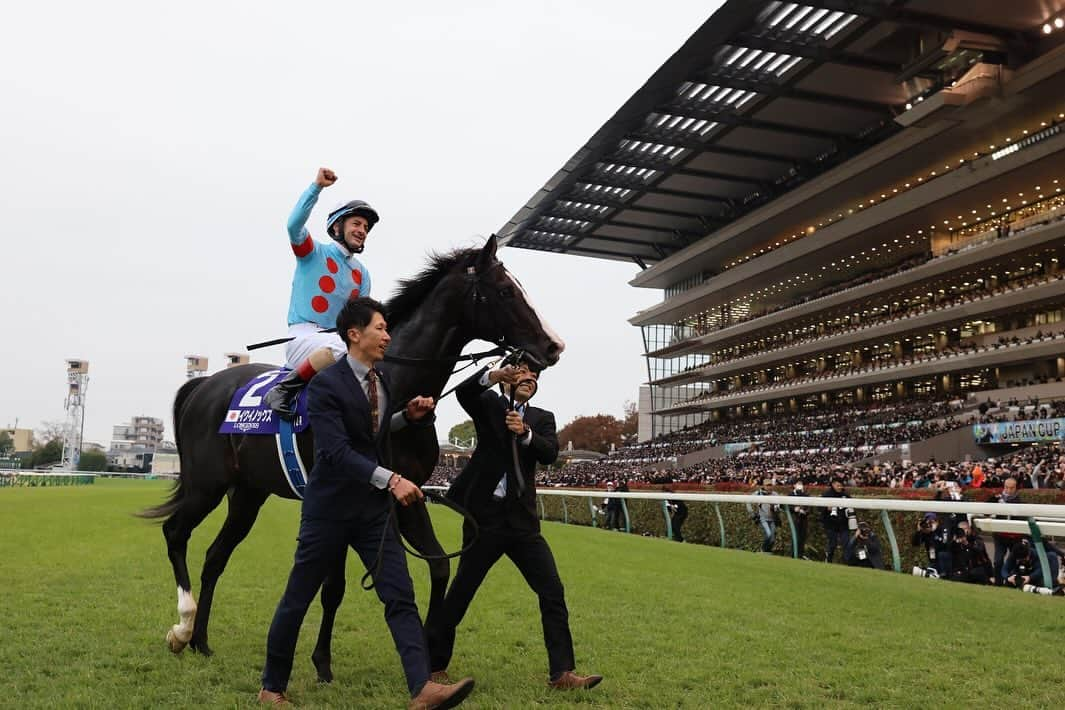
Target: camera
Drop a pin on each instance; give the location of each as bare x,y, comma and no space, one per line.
929,572
1032,589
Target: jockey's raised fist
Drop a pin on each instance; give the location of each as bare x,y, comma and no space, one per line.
326,177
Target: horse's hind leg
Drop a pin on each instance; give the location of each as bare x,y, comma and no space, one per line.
244,506
332,594
176,530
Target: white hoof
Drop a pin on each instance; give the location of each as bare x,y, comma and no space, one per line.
174,640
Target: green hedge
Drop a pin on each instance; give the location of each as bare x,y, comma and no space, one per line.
32,480
702,526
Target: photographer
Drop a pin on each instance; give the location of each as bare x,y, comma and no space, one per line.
615,514
968,557
1022,568
835,520
678,513
863,548
765,516
936,540
1005,541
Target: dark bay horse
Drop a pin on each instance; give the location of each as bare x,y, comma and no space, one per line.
461,296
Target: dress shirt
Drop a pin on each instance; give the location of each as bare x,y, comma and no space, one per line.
381,475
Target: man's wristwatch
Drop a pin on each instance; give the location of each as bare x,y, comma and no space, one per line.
394,481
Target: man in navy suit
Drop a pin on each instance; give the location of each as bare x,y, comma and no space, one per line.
502,499
346,502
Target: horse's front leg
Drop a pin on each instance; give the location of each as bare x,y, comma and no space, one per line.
332,594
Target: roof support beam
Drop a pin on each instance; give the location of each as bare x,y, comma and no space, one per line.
686,237
818,54
688,195
607,182
765,87
711,175
623,240
634,160
911,18
699,145
620,205
730,118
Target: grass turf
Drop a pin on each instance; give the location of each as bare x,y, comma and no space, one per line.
88,595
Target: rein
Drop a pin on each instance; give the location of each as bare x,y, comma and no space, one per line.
373,570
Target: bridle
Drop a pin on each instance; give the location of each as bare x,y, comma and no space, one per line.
474,304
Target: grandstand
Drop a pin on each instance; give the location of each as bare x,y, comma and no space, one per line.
850,207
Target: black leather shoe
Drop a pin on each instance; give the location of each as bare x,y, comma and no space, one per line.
282,397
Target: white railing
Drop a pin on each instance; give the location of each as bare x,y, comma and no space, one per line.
1037,519
50,473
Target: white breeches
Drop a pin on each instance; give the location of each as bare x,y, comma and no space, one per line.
306,339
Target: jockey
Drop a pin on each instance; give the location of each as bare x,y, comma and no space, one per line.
327,275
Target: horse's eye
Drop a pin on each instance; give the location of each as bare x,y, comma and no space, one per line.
507,292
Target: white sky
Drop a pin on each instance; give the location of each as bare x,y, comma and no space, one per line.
151,154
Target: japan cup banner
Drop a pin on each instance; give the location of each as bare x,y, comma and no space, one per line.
1021,432
248,414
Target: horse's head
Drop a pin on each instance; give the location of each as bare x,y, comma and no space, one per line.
500,310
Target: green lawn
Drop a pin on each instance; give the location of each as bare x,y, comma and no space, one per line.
88,595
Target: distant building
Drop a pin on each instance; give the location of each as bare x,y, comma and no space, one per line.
166,460
23,439
133,445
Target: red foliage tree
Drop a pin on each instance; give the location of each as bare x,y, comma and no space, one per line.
594,433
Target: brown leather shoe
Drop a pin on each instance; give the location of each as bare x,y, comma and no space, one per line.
269,697
571,681
435,696
440,677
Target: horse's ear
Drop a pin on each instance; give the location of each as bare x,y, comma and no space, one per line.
487,257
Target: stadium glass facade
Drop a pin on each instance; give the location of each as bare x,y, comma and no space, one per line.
841,202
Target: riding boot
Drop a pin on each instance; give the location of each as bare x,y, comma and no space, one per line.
282,397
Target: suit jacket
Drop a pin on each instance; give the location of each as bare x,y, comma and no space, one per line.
346,452
493,458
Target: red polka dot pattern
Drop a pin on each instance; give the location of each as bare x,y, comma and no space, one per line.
356,276
327,284
331,265
354,293
319,304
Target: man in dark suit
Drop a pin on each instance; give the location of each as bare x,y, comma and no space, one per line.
503,502
346,502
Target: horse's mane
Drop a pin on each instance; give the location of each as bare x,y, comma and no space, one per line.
412,292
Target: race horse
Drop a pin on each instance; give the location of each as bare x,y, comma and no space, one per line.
460,296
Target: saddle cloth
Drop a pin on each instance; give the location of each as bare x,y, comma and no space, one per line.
248,414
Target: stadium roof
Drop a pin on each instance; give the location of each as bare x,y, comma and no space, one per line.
765,96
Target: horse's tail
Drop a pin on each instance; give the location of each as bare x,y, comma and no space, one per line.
167,508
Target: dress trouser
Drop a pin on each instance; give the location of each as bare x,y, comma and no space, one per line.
800,532
321,543
531,555
836,537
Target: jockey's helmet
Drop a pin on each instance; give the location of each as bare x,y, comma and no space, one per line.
346,209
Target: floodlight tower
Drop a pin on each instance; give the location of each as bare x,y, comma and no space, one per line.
77,385
235,359
195,366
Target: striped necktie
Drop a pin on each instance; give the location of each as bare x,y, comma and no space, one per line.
371,394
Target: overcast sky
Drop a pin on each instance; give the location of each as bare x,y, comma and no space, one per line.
151,154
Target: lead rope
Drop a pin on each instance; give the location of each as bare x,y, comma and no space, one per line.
373,570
